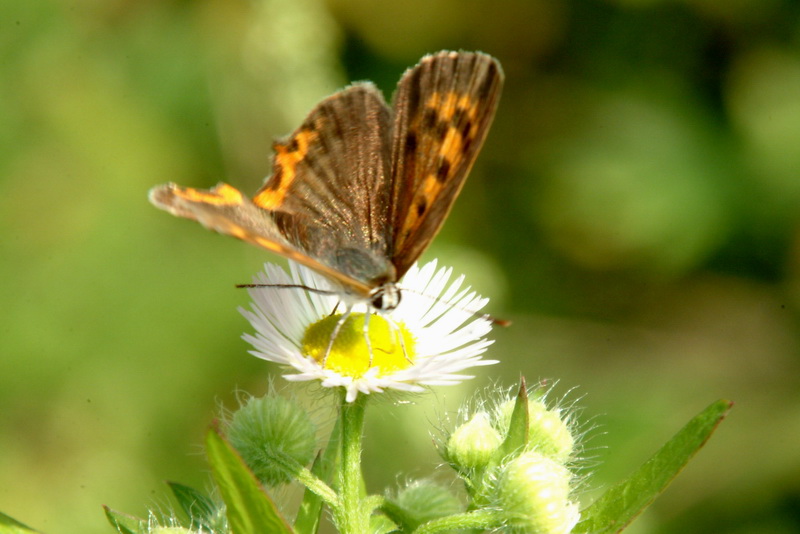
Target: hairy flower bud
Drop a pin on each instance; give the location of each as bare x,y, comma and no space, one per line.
269,427
534,491
473,444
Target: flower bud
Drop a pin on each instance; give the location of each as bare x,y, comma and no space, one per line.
272,426
534,491
473,444
424,500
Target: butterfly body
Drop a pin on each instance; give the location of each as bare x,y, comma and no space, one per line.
359,190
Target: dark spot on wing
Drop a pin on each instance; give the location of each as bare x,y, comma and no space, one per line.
443,171
411,142
440,130
429,119
462,122
277,178
422,205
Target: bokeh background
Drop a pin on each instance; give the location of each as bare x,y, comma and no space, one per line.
634,212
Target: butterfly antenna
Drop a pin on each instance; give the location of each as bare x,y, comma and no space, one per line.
496,321
290,286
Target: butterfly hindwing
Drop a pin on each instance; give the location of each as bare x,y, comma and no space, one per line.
443,109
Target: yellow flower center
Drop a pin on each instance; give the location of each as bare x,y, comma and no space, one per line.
392,345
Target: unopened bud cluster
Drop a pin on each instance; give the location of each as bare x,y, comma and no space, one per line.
516,459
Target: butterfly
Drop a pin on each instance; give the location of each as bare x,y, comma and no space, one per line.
360,189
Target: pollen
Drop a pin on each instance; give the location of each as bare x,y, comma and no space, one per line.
390,349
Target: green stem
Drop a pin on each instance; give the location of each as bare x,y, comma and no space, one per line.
353,517
373,502
318,487
306,477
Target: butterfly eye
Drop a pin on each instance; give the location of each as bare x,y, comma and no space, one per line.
385,298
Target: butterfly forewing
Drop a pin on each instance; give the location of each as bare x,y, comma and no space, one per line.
226,210
328,192
443,109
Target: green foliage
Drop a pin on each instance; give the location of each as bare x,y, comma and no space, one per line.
619,505
310,512
249,509
419,502
200,510
9,525
522,490
124,523
517,436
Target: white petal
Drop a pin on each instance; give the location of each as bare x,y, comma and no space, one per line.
442,315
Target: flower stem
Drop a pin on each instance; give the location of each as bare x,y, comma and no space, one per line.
318,487
353,517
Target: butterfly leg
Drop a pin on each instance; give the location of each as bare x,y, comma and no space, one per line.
367,340
399,335
335,334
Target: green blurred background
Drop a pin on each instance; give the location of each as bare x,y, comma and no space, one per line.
634,212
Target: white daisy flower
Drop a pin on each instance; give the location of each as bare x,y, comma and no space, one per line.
432,336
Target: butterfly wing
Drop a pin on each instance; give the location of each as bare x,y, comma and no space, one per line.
226,210
325,204
443,109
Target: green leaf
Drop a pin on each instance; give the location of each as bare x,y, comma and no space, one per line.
307,520
620,504
124,523
380,524
308,516
9,525
517,435
200,510
419,502
249,509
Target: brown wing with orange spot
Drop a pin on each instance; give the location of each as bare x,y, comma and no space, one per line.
443,109
325,204
226,210
331,174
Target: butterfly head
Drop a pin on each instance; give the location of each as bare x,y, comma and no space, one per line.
385,297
